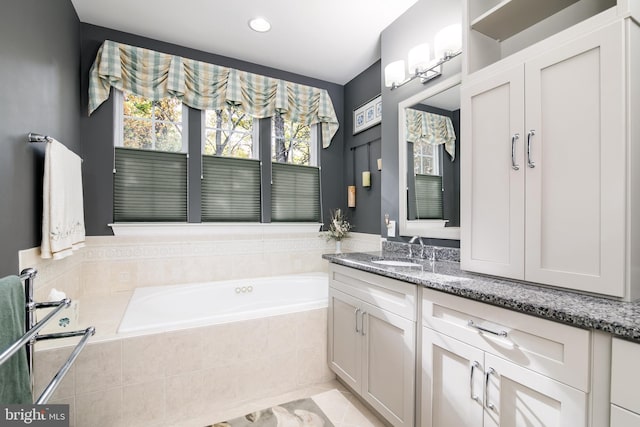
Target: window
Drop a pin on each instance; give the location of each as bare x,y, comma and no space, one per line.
229,132
295,179
238,183
428,181
153,125
231,173
150,164
292,142
426,158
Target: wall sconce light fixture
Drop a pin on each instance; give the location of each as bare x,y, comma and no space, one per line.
447,45
366,175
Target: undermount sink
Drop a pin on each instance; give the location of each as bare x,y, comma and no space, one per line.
395,263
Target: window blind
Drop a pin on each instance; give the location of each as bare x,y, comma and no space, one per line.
295,193
429,196
230,189
149,186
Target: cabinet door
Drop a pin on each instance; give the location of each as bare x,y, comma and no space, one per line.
388,378
575,187
492,175
515,396
452,379
622,418
344,340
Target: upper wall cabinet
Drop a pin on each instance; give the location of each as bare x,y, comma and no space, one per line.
548,174
500,28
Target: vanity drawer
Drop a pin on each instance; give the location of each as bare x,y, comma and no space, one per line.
392,295
558,351
625,375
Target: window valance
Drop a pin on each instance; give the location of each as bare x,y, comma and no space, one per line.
200,85
423,127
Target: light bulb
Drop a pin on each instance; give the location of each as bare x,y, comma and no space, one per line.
448,41
419,58
260,25
394,73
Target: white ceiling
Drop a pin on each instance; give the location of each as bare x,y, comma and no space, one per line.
332,40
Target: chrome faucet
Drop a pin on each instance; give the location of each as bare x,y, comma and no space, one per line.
413,240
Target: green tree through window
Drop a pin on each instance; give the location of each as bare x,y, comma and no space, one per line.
229,133
291,142
152,125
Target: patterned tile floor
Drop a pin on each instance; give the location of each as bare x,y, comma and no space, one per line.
339,404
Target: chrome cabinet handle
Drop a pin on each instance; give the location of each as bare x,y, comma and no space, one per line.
530,162
514,139
362,329
482,329
356,313
486,390
474,365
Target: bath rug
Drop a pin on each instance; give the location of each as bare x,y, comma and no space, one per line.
302,413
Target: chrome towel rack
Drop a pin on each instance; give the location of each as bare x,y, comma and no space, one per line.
36,137
31,334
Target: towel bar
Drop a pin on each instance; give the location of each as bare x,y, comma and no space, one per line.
31,334
36,137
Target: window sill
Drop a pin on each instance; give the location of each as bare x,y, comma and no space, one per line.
130,229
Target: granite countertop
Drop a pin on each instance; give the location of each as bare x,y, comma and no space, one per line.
622,319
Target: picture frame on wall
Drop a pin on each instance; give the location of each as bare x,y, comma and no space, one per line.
367,115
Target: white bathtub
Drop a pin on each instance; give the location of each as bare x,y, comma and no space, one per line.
167,308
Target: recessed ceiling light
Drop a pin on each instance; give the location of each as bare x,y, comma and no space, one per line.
260,25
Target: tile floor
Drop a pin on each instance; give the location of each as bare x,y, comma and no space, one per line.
338,404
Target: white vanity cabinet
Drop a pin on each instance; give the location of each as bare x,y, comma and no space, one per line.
487,366
546,170
371,340
625,377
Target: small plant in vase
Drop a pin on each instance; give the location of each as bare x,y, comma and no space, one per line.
339,228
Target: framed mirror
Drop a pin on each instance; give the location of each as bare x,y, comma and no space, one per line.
429,181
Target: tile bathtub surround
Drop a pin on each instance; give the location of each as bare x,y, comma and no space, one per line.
169,378
109,265
619,318
103,275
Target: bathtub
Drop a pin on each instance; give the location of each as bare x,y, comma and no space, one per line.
174,307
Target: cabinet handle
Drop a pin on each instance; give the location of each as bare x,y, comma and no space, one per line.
514,139
356,313
480,328
474,365
530,162
486,389
362,329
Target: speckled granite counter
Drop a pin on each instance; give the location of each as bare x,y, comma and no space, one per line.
621,319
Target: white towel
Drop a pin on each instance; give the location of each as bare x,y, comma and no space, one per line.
63,211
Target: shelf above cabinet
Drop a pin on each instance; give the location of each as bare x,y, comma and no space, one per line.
510,17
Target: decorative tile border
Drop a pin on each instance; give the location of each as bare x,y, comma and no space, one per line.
109,264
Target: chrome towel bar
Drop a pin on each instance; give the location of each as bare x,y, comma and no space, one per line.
32,328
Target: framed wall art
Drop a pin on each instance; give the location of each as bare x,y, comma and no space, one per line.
367,115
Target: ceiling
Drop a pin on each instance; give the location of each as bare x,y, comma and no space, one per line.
332,40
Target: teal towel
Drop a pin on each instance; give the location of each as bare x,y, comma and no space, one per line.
15,386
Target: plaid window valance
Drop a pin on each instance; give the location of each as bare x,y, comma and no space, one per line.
200,85
423,127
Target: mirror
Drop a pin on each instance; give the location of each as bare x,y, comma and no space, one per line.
429,168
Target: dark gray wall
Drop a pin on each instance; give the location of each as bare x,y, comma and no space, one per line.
39,54
365,215
97,130
418,25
